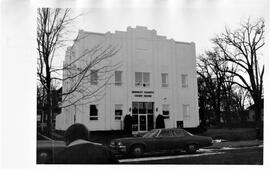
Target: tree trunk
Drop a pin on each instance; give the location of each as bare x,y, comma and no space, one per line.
258,118
49,102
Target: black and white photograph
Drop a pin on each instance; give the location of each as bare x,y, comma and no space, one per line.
134,82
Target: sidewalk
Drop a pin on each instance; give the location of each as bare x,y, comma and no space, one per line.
236,144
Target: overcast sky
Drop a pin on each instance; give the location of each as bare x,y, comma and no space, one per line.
183,20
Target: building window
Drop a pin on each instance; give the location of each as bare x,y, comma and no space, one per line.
184,80
93,112
142,79
186,112
118,78
164,80
166,111
94,77
118,112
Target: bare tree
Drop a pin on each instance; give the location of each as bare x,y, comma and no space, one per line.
241,49
217,83
53,26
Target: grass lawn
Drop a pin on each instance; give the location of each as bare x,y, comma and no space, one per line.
236,134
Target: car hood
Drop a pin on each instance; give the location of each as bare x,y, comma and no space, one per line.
204,138
47,143
127,139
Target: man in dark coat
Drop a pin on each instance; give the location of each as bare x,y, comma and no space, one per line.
81,151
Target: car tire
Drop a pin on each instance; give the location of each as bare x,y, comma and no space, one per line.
137,150
191,148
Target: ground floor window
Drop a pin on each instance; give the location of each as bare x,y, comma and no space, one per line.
186,112
93,112
118,111
166,111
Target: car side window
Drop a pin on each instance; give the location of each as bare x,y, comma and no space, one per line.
165,133
178,133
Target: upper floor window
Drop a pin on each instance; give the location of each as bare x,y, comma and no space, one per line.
118,78
184,78
142,79
93,112
186,112
164,80
94,77
166,111
118,111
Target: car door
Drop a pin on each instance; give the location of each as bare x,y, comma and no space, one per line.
164,140
180,139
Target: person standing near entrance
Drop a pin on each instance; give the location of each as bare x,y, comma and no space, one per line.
80,150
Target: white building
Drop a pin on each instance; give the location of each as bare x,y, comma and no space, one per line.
157,76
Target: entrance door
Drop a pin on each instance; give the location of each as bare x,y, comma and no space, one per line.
142,116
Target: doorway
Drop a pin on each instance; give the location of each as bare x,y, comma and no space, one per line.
142,116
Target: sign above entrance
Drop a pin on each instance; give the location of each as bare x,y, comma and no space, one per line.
143,93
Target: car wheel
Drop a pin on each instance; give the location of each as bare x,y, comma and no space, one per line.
137,150
44,157
191,148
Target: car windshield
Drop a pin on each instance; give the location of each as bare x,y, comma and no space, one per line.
188,133
41,137
151,133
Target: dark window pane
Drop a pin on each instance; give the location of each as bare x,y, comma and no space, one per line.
135,108
93,118
165,133
165,112
142,122
93,110
142,109
150,107
150,122
138,78
118,112
117,118
178,133
135,123
94,77
134,119
118,78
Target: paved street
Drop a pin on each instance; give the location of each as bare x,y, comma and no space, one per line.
245,155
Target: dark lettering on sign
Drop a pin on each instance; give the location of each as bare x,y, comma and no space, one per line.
148,92
136,95
136,91
147,95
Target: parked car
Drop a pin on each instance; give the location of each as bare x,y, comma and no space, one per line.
160,139
47,148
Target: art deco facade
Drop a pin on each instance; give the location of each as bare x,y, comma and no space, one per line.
157,76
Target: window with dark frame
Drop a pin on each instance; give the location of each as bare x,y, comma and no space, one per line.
184,78
93,112
164,80
186,111
166,111
94,77
142,79
118,78
118,111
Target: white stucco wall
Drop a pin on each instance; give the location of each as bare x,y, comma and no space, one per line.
141,50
